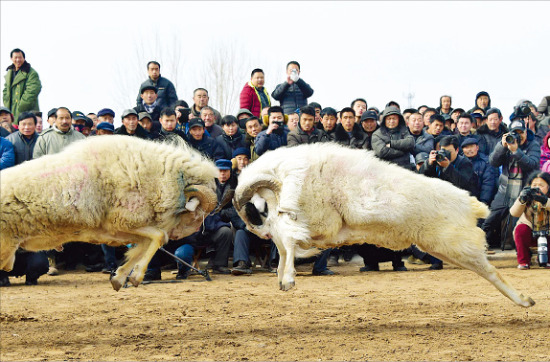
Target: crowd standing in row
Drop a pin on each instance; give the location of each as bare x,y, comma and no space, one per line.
474,150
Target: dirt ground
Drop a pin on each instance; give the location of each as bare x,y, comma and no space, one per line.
450,314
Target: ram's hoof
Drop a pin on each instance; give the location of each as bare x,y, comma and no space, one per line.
116,284
286,286
134,280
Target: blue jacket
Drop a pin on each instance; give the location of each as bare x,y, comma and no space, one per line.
7,156
487,177
267,142
205,146
292,96
166,92
22,146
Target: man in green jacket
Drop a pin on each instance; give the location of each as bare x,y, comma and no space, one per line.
22,85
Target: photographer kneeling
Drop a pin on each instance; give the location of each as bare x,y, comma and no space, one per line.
533,211
446,164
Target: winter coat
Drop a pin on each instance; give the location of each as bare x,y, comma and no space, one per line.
140,132
251,144
171,137
155,115
544,151
205,145
423,143
225,145
461,139
359,139
475,102
299,137
166,92
250,99
460,173
22,146
214,131
4,132
7,155
21,90
487,177
401,143
292,96
267,142
53,140
488,139
528,160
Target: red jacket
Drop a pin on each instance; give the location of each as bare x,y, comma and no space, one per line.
250,99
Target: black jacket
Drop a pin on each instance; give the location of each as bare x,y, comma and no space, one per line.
460,173
166,92
22,147
140,132
359,139
488,139
225,145
204,146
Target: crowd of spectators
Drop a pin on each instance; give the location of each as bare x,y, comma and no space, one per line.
475,150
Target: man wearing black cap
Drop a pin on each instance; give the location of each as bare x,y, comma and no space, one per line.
106,115
149,102
81,123
5,122
130,125
199,139
487,175
492,131
369,124
518,155
167,96
57,137
51,117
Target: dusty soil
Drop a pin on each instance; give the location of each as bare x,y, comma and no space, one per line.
450,314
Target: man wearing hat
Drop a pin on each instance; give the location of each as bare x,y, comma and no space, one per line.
59,136
105,128
167,96
199,139
487,175
130,125
6,122
147,123
242,115
149,102
106,115
518,155
82,124
392,141
51,117
420,159
369,124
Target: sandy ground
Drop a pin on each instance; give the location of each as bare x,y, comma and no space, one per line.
450,314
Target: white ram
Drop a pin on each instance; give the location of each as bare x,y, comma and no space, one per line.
325,195
112,190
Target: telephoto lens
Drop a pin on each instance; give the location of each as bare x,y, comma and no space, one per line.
542,246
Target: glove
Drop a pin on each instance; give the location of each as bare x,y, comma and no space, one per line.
540,197
525,195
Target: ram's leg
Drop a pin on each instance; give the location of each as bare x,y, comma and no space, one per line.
7,256
289,272
282,262
469,253
158,238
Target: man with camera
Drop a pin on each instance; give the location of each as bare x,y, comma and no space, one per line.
293,93
518,152
276,133
446,164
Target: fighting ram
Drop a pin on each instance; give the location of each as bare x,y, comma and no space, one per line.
112,190
324,195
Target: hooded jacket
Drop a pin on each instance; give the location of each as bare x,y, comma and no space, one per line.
488,139
482,93
250,99
21,90
22,146
401,142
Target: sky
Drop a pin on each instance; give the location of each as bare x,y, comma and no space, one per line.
92,55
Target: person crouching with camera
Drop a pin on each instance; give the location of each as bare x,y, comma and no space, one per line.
532,228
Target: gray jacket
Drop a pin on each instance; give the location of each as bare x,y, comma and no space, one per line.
425,142
53,140
22,146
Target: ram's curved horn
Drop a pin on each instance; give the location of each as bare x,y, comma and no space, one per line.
244,194
207,197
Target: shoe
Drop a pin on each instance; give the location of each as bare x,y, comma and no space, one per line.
332,260
368,268
182,274
109,270
94,268
413,260
31,281
436,266
52,271
323,272
402,268
241,269
221,270
152,274
523,266
5,281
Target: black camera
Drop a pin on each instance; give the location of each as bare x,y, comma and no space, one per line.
442,154
280,124
512,138
522,111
